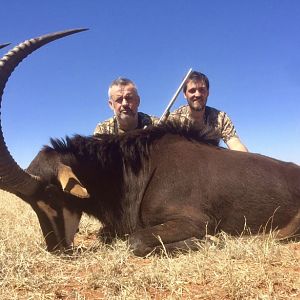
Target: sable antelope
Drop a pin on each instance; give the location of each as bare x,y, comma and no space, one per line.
162,184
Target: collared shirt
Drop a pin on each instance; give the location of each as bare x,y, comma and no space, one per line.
110,126
217,120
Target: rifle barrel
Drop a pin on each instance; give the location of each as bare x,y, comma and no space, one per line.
167,110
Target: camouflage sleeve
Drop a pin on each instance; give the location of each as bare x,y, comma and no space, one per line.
226,127
106,127
98,129
179,115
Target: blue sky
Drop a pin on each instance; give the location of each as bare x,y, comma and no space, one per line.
250,50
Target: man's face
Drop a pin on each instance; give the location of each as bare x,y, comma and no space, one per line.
196,95
124,101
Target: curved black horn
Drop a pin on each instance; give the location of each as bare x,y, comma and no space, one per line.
12,177
4,45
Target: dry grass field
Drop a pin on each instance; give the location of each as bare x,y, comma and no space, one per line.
229,268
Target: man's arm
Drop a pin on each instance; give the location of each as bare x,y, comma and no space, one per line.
235,144
229,134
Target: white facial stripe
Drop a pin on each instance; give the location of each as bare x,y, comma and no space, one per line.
51,214
71,221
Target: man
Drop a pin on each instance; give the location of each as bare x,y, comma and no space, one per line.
124,101
196,113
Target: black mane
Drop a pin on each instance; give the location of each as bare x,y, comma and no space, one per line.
132,147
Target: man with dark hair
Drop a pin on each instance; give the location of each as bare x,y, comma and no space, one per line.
198,114
124,100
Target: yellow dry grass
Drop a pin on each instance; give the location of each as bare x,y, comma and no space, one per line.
232,268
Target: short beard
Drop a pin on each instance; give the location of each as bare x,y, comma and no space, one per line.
196,109
127,121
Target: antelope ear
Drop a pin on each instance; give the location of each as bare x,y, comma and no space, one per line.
70,183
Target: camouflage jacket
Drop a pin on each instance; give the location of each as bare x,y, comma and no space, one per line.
217,120
110,126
